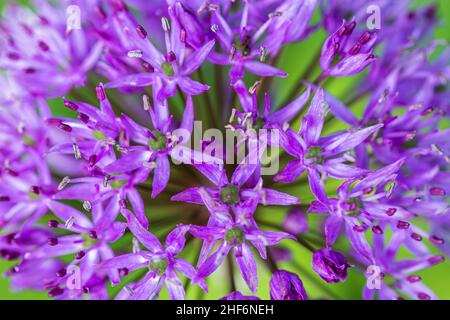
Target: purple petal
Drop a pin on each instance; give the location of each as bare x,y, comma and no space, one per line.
292,171
176,240
145,237
351,65
264,70
316,185
197,58
292,109
134,80
286,285
192,87
247,265
381,175
161,175
128,162
213,262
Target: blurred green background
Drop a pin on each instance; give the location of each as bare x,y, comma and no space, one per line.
295,60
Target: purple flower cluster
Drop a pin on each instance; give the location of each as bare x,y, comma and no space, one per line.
83,183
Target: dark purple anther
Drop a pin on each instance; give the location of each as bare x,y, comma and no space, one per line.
55,292
13,56
141,32
65,127
360,228
377,230
402,225
413,279
71,105
35,189
52,223
83,117
122,203
43,46
355,49
423,296
61,273
44,20
123,272
100,93
436,259
350,27
52,241
92,160
171,57
436,240
368,190
92,234
364,38
435,191
29,70
391,211
416,236
148,66
340,33
80,255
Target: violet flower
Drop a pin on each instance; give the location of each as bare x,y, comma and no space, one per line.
286,285
172,68
330,265
161,262
233,234
43,55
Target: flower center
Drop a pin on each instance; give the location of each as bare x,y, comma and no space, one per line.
158,264
258,124
98,135
167,68
157,141
90,238
230,194
243,45
117,184
314,153
233,235
353,206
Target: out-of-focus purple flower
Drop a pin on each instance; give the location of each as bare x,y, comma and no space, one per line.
43,55
286,285
353,56
295,221
330,265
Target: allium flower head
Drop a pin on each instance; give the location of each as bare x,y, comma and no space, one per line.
233,150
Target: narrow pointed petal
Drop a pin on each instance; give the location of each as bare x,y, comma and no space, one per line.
247,265
161,175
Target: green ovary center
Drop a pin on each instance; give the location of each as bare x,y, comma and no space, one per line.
353,206
167,68
98,135
234,234
230,194
117,184
159,142
314,153
160,265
